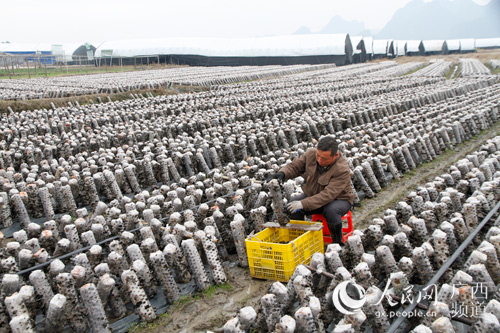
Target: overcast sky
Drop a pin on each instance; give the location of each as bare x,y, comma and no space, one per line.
94,21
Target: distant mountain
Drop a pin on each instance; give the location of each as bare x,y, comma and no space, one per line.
302,31
444,19
338,25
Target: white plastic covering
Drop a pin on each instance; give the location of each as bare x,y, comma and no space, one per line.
467,44
355,41
275,46
413,45
368,45
487,42
399,47
380,46
68,49
433,45
453,44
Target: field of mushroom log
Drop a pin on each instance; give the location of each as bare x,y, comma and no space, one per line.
111,212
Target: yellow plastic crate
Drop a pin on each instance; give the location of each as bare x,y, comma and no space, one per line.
274,253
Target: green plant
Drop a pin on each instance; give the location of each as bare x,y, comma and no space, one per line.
450,71
147,326
493,70
177,306
415,70
212,290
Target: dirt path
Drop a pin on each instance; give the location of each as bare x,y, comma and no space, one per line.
210,312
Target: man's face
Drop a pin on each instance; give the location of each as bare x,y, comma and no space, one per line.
325,158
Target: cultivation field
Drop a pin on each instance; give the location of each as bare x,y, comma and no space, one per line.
483,55
115,212
220,306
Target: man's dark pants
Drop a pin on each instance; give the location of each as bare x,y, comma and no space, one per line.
332,212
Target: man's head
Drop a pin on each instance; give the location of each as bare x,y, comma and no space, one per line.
326,151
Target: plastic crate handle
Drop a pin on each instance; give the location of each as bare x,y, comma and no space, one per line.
255,238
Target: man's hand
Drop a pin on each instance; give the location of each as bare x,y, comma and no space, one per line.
279,176
294,207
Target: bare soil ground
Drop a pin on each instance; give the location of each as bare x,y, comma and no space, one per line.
210,313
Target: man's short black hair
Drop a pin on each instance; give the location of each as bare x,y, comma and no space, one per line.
328,143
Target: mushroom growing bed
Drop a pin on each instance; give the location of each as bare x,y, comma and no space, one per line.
109,207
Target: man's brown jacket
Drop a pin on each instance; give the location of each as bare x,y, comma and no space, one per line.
322,189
